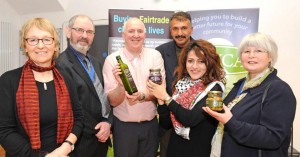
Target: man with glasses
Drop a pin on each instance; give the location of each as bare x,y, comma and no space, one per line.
86,72
181,30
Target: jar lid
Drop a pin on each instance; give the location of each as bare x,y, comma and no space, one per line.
215,92
153,70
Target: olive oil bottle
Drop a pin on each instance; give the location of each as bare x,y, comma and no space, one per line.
126,77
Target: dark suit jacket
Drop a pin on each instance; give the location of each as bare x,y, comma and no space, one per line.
168,53
87,94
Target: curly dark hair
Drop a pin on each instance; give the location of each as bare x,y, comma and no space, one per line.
207,52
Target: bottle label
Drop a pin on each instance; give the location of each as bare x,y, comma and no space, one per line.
130,78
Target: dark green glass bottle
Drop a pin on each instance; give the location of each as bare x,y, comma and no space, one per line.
126,77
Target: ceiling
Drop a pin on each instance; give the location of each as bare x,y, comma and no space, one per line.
23,7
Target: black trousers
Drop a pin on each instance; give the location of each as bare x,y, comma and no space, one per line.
164,141
89,146
135,139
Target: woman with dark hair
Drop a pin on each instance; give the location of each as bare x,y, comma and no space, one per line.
199,71
40,112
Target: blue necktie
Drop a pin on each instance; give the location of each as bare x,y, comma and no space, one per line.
99,88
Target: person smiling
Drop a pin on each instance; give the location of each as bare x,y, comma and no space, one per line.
181,30
199,71
135,131
259,109
40,113
86,72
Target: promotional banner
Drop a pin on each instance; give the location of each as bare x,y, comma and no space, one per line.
156,23
225,29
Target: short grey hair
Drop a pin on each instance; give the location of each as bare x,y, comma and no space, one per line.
73,19
260,40
131,19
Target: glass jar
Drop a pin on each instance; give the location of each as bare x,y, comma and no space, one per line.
214,100
155,76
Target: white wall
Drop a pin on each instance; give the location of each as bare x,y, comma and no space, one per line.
8,15
279,18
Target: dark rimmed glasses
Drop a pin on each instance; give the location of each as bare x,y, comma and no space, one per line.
81,31
35,41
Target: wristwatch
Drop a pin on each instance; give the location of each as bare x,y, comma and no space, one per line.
71,144
167,100
142,97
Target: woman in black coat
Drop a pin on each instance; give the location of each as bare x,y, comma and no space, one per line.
260,108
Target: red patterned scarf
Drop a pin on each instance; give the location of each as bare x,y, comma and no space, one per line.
186,99
28,104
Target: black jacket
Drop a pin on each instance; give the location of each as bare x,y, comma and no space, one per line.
260,126
86,91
